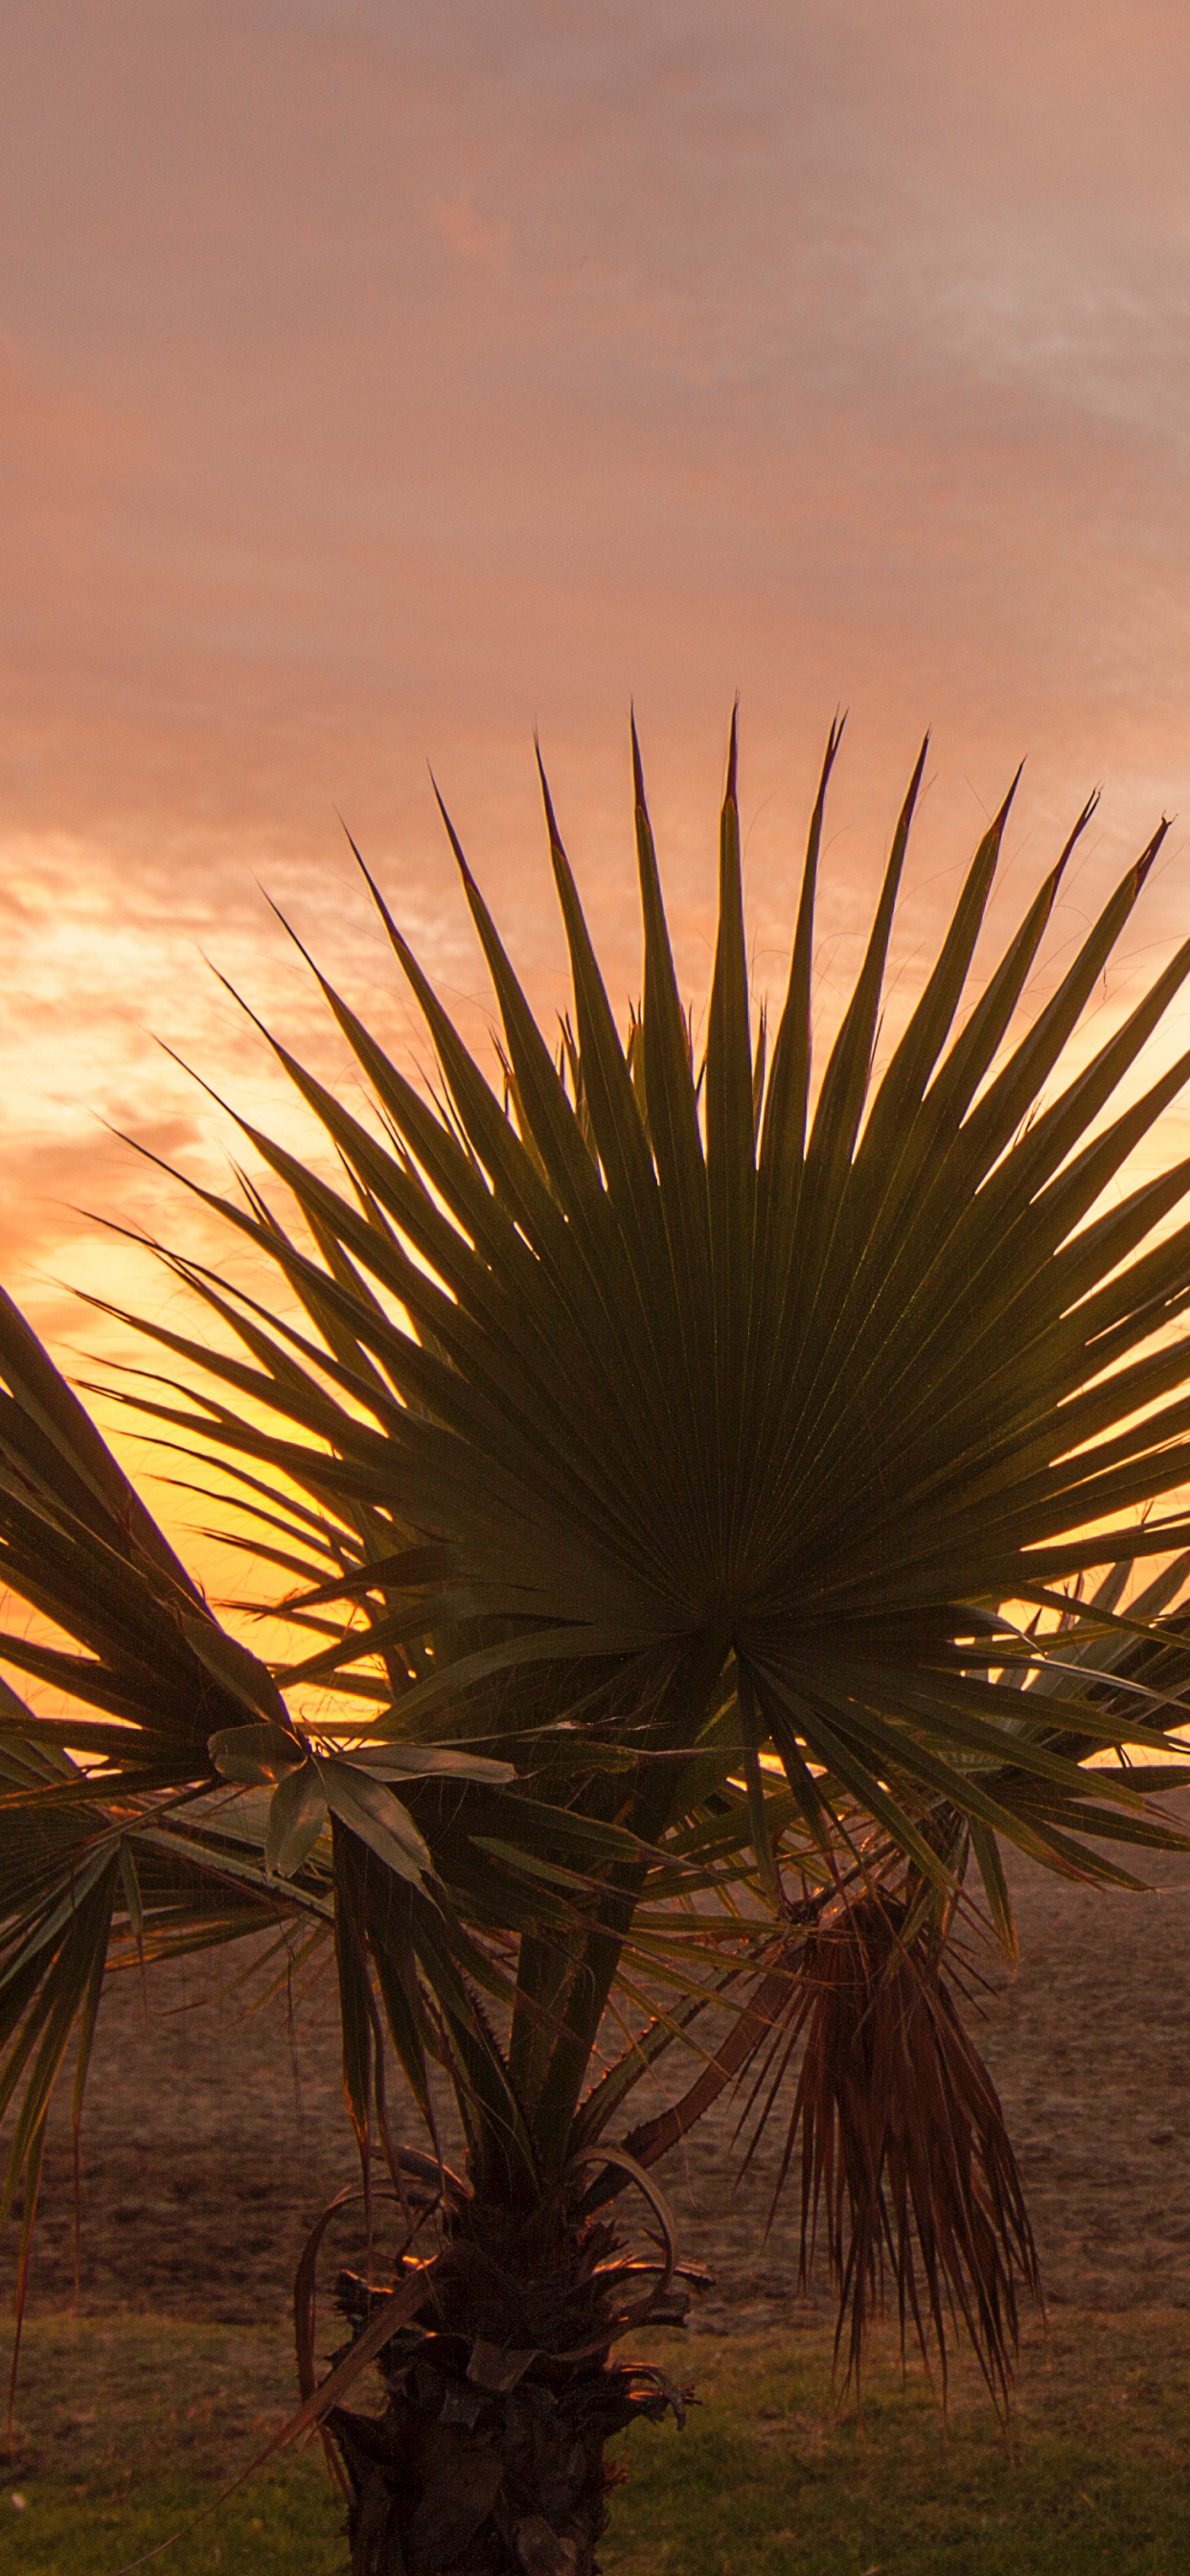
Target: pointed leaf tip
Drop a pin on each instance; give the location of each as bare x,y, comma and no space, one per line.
369,880
638,775
1002,817
551,820
451,834
733,750
1073,838
353,846
1149,855
830,755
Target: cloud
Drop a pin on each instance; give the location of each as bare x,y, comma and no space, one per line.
377,383
461,227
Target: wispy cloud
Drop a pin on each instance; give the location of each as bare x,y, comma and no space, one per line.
375,383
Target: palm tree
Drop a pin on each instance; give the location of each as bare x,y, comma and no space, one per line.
685,1485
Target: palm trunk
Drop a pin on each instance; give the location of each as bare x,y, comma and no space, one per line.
488,2458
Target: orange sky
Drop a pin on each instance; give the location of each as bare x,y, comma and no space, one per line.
375,381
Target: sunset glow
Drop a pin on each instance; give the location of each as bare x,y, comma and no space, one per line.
375,387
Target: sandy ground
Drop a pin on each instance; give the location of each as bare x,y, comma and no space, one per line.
213,2137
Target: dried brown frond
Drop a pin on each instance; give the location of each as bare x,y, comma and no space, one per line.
905,2155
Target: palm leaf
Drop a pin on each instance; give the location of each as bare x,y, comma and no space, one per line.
820,1403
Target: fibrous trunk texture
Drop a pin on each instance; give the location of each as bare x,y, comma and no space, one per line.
488,2458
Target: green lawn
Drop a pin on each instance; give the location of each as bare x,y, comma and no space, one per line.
769,2480
127,2430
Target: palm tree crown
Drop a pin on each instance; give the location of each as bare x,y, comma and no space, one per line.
688,1474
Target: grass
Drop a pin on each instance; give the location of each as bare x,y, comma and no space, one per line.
129,2428
772,2480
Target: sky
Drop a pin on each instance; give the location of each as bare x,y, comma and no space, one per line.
377,383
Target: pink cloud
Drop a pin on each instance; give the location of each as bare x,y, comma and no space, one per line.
375,385
460,226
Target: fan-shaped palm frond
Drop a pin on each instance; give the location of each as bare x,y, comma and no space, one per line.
697,1371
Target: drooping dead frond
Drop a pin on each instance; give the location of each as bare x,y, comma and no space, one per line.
905,2155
